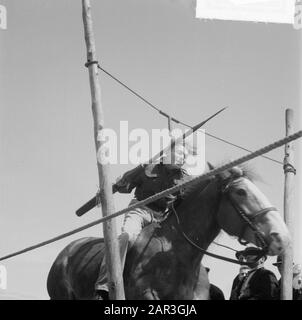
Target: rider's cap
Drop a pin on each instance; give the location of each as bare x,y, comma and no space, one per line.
249,251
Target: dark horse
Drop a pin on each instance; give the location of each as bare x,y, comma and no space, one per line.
164,262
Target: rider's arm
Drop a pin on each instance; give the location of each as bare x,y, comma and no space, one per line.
129,180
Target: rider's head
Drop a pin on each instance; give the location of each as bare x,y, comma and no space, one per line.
252,256
178,154
243,271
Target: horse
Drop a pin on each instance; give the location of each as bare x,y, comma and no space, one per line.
165,263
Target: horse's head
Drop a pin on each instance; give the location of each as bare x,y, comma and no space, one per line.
244,211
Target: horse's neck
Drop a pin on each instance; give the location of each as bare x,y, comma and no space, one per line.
197,217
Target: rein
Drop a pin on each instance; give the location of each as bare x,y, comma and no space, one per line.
198,247
248,223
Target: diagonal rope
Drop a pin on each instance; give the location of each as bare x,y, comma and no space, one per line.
154,107
166,192
232,144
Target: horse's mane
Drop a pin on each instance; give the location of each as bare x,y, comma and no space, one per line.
246,171
249,172
194,187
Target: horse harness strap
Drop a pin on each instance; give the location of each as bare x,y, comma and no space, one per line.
249,220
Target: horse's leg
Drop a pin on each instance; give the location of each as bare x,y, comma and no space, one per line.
150,294
141,289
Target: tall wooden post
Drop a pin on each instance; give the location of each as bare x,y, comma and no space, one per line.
298,220
289,172
114,269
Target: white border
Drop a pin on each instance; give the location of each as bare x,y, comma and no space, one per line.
275,11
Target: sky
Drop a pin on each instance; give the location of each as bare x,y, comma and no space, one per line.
189,68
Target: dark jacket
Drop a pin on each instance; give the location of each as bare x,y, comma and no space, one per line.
297,294
236,286
260,284
216,293
149,180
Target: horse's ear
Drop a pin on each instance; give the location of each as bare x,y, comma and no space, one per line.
236,172
211,167
222,175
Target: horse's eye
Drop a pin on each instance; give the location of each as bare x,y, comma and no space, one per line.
241,192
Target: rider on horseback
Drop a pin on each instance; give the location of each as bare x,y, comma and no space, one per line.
147,180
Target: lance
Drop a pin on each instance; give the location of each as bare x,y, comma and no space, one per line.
94,201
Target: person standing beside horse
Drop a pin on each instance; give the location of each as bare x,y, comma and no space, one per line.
147,180
259,283
215,293
238,281
297,278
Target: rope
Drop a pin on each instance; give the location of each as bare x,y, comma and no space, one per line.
89,63
172,118
289,168
166,192
138,95
222,245
242,148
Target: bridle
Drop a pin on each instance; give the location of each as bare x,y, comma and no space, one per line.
249,219
249,222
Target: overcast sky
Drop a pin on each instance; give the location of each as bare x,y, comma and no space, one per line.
188,67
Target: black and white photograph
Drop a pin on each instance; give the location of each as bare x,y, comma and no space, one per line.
150,150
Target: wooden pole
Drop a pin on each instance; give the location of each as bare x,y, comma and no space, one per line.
114,269
172,140
298,220
289,172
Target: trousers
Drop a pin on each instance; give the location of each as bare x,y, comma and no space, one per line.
134,221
